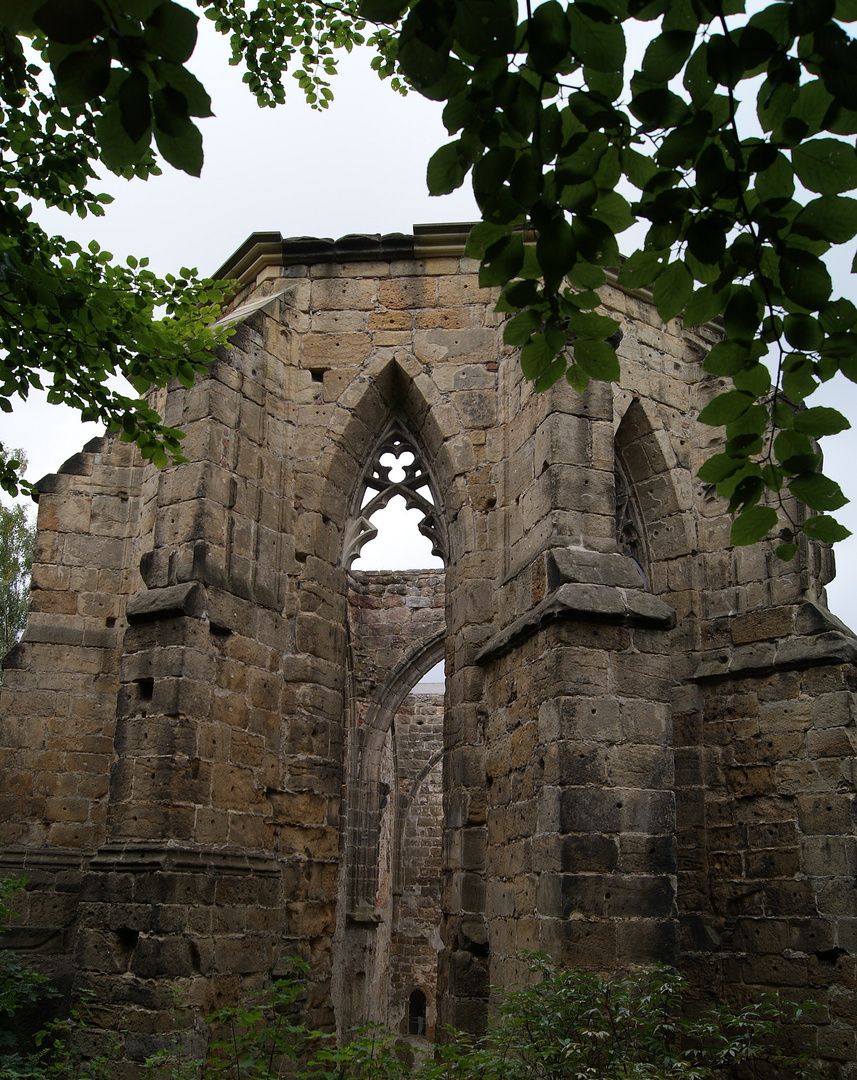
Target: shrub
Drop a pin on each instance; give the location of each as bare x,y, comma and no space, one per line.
565,1025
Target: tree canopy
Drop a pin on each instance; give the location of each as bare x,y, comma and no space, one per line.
17,535
733,144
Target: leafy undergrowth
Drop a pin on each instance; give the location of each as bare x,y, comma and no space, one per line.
565,1025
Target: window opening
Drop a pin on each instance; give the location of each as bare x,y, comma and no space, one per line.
417,1013
433,680
396,502
630,533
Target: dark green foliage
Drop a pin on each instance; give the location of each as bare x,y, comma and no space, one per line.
565,1025
568,1025
541,116
21,991
16,557
727,235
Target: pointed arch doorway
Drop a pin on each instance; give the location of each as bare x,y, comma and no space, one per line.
388,931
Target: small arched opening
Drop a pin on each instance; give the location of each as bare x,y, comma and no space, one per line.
417,1013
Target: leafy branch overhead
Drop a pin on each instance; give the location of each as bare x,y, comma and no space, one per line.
739,217
70,317
733,144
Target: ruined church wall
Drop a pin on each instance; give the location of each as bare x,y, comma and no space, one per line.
229,693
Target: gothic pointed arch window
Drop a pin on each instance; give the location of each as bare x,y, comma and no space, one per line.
630,530
395,470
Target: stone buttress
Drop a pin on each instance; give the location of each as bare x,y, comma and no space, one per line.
215,754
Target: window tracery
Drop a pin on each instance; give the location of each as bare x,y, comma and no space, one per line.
630,531
388,474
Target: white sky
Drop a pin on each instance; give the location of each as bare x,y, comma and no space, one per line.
359,167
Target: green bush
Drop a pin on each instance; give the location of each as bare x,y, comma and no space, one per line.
575,1025
564,1025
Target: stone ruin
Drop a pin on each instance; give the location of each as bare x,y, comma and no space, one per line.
213,755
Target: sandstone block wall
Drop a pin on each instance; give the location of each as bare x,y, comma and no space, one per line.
212,756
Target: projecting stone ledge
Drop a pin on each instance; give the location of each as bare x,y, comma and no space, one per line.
818,637
583,602
170,602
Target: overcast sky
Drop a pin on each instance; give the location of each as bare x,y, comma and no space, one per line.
358,167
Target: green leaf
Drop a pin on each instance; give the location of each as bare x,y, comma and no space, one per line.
182,151
598,359
19,17
641,269
786,552
666,55
825,529
803,332
725,408
705,304
794,452
755,380
587,276
179,78
717,468
525,180
697,81
830,217
118,151
447,168
382,11
69,22
743,314
673,289
548,37
599,44
798,377
637,167
804,278
614,211
591,325
170,32
595,241
807,15
837,316
423,52
752,525
777,181
744,433
170,113
818,491
828,166
135,105
535,356
502,261
517,331
83,75
659,108
482,236
819,421
556,250
491,171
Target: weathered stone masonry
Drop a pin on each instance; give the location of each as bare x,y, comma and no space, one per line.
212,757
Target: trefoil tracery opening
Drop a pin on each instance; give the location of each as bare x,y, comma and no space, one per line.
395,468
